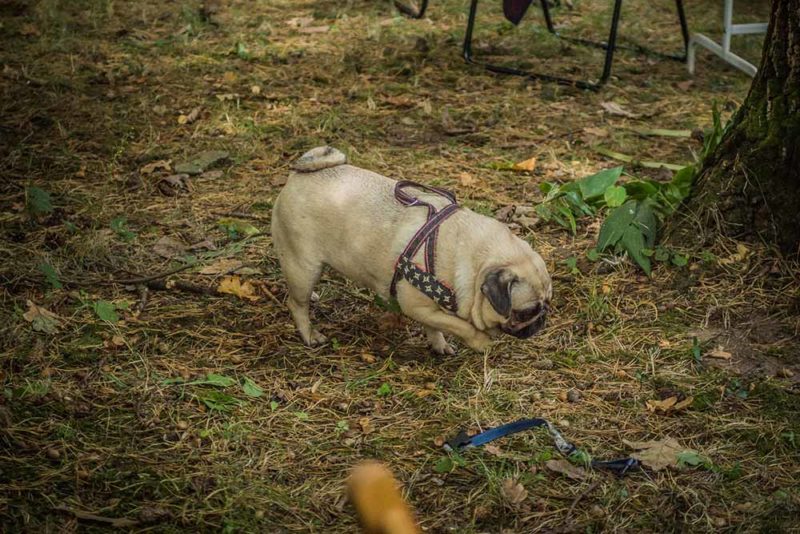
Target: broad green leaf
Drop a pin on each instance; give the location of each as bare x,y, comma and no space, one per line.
640,189
236,228
566,213
577,205
661,254
647,223
213,380
50,275
106,311
443,465
633,242
273,405
615,225
596,184
615,196
679,260
389,305
251,389
38,201
218,400
690,458
684,179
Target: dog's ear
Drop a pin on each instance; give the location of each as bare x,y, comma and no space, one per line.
497,288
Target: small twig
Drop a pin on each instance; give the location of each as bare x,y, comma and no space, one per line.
144,292
161,285
117,522
242,215
580,497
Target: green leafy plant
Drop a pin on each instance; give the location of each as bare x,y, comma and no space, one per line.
120,227
106,311
385,390
251,389
38,201
50,275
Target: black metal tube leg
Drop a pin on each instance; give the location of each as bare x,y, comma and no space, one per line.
473,9
684,26
612,42
548,20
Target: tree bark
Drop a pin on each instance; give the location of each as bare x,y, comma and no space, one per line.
750,185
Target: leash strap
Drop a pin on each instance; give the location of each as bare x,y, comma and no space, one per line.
424,280
462,441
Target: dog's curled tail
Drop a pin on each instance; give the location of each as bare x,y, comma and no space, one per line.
319,158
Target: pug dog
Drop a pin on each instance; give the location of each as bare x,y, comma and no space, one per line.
331,213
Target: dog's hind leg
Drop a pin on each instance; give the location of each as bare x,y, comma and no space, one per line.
301,277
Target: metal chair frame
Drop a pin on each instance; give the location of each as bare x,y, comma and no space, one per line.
609,46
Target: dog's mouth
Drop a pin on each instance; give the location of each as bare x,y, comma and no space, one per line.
524,323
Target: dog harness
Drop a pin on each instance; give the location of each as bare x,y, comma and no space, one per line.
424,279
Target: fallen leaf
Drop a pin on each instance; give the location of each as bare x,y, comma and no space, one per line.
229,77
612,108
366,425
493,450
505,214
299,22
685,85
314,29
366,357
439,441
200,162
234,286
685,403
740,255
191,117
41,319
565,468
255,89
169,247
657,455
29,30
512,491
466,179
525,166
719,353
223,266
597,132
152,167
174,184
661,405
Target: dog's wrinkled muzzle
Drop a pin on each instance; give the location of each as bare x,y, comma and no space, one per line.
525,323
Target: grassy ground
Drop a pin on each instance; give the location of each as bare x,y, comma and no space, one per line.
101,416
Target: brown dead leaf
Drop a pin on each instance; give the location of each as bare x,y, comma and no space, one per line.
657,455
223,266
565,468
41,319
229,77
169,247
596,132
661,405
366,357
299,22
191,117
719,353
612,108
234,286
150,168
439,441
493,450
174,184
29,30
685,85
314,29
366,425
505,214
525,166
512,491
255,89
466,179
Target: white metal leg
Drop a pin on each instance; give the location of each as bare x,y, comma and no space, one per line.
724,50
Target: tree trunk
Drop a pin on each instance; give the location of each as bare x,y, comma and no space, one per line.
750,185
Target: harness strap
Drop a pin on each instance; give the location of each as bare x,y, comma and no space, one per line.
427,234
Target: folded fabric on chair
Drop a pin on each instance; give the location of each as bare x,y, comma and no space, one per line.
514,10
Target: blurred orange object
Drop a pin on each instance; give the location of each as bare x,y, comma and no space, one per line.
381,509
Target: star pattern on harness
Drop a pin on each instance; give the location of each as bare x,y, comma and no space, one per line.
428,285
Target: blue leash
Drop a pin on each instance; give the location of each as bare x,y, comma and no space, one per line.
463,441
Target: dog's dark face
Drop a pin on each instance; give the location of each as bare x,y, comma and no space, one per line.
520,294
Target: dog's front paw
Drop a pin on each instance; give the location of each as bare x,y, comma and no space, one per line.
316,339
443,348
479,342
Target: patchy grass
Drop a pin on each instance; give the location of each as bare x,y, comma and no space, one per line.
119,418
